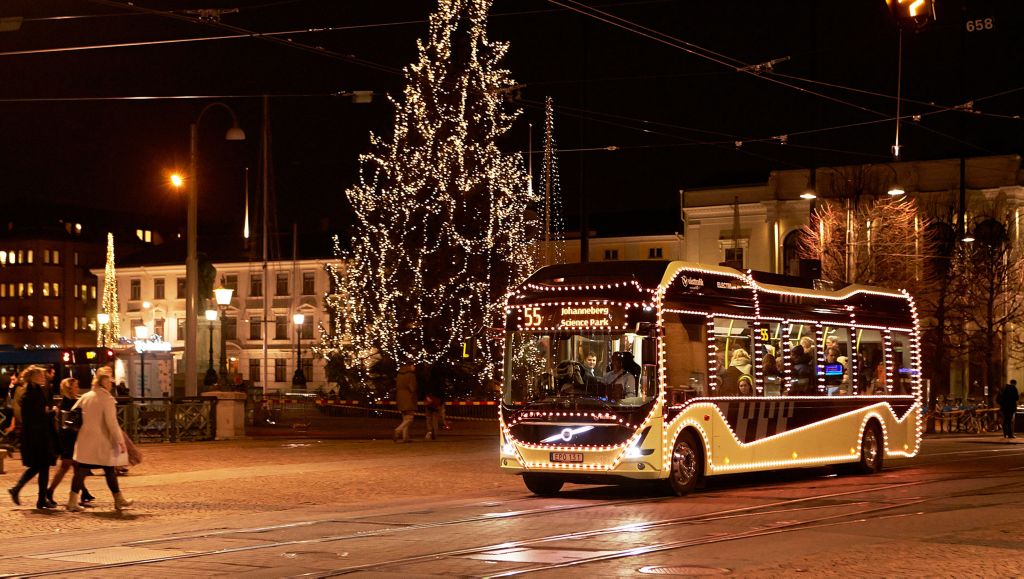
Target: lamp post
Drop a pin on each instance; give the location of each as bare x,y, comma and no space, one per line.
211,375
191,262
103,318
141,335
299,378
223,297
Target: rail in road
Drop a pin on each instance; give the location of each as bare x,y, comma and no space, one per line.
463,539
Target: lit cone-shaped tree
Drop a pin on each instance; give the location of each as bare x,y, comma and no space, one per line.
442,221
110,333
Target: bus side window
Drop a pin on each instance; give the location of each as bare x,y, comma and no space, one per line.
871,372
686,364
734,346
838,365
903,368
772,361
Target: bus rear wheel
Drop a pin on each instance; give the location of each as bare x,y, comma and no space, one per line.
872,449
543,486
687,464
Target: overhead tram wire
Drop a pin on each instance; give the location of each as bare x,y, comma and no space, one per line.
349,58
718,58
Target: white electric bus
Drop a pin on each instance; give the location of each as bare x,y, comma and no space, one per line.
679,371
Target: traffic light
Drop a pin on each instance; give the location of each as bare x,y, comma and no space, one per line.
912,14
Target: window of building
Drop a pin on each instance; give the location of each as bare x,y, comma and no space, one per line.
76,258
144,235
254,371
255,325
46,256
733,257
280,370
791,253
21,289
3,290
56,257
135,290
182,289
231,282
282,285
158,327
611,254
158,288
281,328
56,322
135,323
256,285
46,322
55,289
179,329
308,283
46,289
230,328
28,256
307,328
654,253
31,287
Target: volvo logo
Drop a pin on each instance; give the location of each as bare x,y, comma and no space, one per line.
567,433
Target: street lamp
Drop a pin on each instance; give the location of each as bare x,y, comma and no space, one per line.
211,375
103,318
191,261
223,297
299,378
141,335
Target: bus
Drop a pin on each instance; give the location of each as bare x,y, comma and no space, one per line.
78,363
729,372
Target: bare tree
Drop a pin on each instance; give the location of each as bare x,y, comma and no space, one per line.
987,277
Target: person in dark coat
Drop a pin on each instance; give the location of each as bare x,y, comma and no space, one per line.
1008,404
67,437
38,436
803,373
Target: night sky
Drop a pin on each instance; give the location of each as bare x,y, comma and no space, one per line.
675,117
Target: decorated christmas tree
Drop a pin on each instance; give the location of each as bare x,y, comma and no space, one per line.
442,221
110,332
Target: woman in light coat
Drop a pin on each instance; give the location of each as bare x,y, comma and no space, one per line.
100,443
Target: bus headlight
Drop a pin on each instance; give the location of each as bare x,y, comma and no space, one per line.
633,452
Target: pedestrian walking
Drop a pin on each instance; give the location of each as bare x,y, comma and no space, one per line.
38,436
67,437
405,396
1008,398
100,443
433,401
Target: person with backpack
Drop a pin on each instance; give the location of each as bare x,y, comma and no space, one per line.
1008,398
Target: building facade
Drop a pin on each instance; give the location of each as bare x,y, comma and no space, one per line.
261,342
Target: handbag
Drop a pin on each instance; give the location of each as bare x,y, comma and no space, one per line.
71,420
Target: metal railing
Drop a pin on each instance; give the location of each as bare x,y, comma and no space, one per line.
167,420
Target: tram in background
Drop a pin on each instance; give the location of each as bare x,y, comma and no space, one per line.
729,373
79,363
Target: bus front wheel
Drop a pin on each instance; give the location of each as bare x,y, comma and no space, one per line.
872,449
543,486
687,464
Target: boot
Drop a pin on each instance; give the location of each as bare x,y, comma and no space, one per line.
120,502
87,497
73,505
15,491
49,496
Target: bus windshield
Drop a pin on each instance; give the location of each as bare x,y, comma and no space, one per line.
616,369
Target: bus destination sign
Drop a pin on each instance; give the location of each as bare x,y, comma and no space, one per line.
570,317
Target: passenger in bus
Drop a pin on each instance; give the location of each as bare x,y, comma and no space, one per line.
746,386
739,366
619,381
803,373
833,375
846,385
807,343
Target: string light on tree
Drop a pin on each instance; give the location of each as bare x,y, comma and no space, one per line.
110,332
441,213
554,225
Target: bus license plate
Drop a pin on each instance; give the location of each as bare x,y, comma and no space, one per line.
566,457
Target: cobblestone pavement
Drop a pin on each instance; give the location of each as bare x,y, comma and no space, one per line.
289,506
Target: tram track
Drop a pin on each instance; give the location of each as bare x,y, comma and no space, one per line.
397,527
